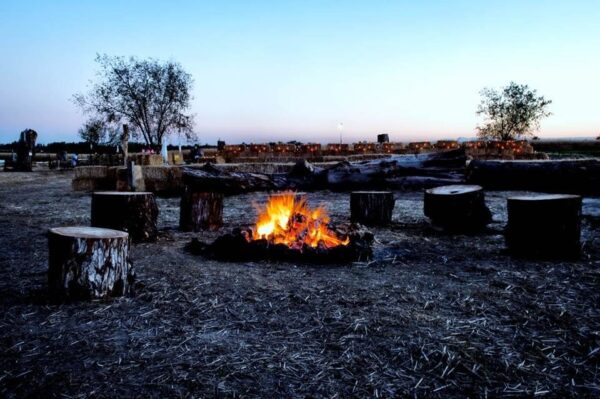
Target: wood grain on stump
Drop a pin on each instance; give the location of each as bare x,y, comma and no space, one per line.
89,262
544,225
135,213
457,207
371,208
200,210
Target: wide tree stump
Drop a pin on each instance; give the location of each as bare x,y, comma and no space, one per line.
545,226
371,208
89,262
135,213
458,208
200,210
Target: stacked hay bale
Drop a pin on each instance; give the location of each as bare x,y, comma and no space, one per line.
310,150
506,150
90,178
337,149
475,149
364,148
419,147
447,145
144,159
260,150
164,179
282,150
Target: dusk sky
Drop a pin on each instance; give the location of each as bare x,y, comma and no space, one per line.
286,70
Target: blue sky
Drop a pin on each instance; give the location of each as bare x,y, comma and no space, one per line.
285,70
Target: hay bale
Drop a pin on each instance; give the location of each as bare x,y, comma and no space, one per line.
90,178
83,184
146,159
91,172
164,179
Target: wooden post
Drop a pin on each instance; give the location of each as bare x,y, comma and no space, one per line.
88,262
135,177
544,226
135,213
372,208
200,210
125,143
458,208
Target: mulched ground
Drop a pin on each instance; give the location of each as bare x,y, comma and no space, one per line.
432,316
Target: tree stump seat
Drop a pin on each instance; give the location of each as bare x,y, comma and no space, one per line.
372,208
133,212
457,208
89,262
544,226
200,210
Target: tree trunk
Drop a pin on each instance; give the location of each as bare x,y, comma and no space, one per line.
372,208
135,213
544,225
572,176
457,207
125,142
200,210
393,172
88,262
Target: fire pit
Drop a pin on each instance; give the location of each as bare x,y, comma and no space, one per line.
287,229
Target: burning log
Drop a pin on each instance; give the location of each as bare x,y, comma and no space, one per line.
394,171
372,208
200,210
242,246
134,212
457,208
288,230
572,176
89,262
544,225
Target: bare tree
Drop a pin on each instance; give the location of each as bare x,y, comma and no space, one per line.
149,95
513,112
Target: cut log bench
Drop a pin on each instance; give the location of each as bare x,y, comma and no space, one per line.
200,210
372,208
133,212
89,262
457,208
544,226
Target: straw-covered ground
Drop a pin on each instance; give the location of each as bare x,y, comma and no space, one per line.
432,316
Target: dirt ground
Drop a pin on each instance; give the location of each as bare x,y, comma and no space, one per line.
433,315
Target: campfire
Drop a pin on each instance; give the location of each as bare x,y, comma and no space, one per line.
287,229
287,219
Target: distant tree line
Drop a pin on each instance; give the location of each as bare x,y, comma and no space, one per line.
83,147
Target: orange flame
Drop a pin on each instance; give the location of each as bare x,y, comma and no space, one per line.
286,219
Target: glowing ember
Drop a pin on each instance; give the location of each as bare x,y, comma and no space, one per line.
286,219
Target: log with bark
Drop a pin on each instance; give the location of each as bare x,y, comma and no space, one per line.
396,171
544,226
559,176
457,208
371,208
88,262
200,210
134,212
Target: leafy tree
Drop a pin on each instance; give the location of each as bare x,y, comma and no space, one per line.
513,112
151,96
94,131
